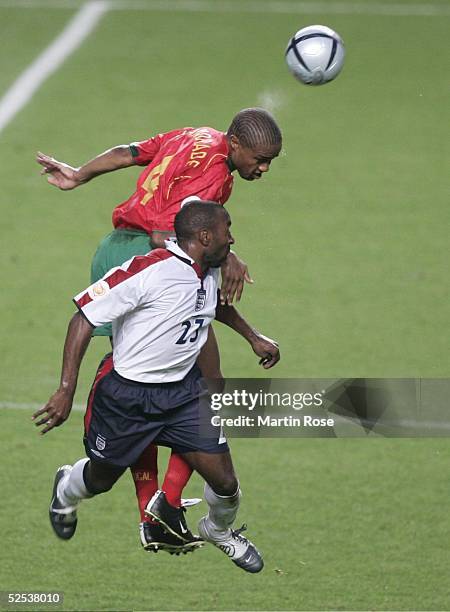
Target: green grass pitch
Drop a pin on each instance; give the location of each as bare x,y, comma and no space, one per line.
347,241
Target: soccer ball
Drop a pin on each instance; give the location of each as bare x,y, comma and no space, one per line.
315,55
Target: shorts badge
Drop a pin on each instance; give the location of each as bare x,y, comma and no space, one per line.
100,442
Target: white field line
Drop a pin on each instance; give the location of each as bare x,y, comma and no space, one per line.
424,426
292,7
23,89
32,406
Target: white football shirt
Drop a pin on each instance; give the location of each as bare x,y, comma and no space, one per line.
160,307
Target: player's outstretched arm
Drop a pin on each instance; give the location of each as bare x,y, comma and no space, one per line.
264,347
58,407
234,273
67,177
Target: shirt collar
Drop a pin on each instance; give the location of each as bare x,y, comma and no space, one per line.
172,246
228,162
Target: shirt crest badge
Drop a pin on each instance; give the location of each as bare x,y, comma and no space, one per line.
201,299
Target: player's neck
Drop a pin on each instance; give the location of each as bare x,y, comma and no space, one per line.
229,163
195,252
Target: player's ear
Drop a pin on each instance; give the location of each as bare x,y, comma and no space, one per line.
204,237
234,143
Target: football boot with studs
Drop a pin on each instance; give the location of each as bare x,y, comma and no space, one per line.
237,547
172,519
63,519
154,539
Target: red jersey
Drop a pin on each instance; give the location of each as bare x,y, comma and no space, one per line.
182,163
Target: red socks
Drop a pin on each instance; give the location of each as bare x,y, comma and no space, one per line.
145,476
176,478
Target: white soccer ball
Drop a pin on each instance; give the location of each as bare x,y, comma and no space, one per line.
315,55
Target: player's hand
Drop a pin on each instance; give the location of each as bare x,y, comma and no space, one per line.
55,412
267,349
59,174
234,274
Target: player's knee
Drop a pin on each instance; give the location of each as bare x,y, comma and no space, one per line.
226,486
101,478
96,486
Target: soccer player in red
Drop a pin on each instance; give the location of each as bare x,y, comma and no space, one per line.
177,165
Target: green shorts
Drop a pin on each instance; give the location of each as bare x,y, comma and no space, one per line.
118,246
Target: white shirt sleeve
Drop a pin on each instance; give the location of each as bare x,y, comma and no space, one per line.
117,293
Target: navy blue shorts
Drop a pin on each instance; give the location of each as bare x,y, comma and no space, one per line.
124,417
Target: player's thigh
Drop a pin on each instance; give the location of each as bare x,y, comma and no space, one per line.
216,468
188,419
116,248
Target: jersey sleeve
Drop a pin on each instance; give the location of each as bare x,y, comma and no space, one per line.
144,151
118,292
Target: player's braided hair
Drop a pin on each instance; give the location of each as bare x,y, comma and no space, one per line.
254,127
195,216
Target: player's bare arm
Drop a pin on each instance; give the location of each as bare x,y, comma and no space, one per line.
67,177
58,407
234,274
264,347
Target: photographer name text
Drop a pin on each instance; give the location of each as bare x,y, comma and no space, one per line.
270,421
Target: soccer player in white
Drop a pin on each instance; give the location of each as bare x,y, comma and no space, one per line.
161,305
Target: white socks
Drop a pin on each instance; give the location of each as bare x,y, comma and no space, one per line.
222,511
71,488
